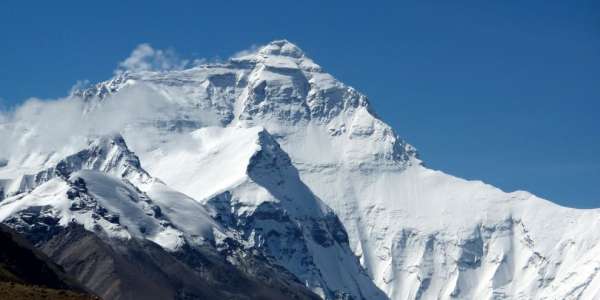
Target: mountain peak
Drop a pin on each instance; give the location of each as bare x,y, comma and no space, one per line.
281,48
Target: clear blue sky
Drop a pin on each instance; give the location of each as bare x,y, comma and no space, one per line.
504,91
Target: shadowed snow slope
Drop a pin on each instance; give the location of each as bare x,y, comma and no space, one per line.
295,164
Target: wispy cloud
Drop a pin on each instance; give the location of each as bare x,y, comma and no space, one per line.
48,125
3,110
146,58
252,50
45,125
80,85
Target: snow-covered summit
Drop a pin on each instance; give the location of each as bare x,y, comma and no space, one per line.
281,47
279,53
279,88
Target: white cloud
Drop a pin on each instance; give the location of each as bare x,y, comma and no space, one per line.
252,50
199,61
45,125
3,110
48,125
146,58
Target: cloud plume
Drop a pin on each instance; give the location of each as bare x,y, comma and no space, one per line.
46,125
146,58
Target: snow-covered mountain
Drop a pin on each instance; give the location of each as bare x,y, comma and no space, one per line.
269,155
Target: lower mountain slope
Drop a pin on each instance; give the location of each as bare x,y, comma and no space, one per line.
26,273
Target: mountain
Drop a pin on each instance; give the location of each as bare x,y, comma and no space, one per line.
25,273
269,167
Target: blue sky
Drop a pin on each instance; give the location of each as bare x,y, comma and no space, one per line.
505,91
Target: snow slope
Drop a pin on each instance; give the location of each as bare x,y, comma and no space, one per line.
270,147
243,176
99,188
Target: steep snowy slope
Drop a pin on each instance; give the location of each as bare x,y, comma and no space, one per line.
249,183
272,149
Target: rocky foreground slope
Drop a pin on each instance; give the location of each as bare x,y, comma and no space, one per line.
268,169
26,273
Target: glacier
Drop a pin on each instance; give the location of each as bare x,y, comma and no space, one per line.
271,151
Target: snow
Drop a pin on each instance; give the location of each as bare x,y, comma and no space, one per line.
212,160
51,193
185,213
122,200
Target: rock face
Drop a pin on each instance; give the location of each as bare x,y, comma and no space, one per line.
268,167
